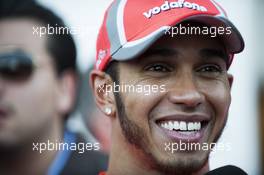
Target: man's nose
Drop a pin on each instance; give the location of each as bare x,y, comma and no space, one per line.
185,91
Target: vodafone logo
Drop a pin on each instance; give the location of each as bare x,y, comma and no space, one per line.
173,5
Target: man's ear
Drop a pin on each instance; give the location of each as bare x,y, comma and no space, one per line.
66,91
230,80
101,84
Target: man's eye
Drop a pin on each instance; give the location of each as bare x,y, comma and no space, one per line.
158,68
210,70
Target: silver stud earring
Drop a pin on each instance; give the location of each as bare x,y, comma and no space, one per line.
108,110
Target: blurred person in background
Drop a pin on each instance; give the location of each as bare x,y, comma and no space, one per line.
37,93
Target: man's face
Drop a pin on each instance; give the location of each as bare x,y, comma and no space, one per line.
193,109
27,107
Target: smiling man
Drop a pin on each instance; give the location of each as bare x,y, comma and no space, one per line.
135,47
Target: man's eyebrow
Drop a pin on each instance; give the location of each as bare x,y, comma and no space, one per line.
164,52
207,53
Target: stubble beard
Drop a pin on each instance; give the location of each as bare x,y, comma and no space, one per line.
136,136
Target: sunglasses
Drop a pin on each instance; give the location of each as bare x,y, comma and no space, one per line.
16,65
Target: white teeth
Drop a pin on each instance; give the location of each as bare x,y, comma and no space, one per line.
197,125
166,126
176,125
181,125
190,126
171,126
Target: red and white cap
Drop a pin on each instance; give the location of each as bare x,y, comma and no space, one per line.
132,26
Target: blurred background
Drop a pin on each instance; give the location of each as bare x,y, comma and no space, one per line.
245,127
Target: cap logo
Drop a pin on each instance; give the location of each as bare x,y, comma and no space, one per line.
101,55
172,5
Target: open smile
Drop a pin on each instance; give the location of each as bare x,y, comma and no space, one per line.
184,128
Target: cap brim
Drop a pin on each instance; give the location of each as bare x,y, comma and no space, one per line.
234,42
